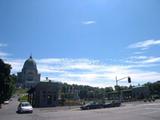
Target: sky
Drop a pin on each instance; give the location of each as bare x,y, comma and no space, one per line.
85,42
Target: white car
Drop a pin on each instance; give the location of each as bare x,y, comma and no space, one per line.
6,102
25,107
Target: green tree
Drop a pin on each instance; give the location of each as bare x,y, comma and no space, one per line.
12,85
153,87
7,82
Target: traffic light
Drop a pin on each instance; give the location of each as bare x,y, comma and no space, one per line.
129,80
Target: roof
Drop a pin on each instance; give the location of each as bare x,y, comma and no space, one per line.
30,64
52,86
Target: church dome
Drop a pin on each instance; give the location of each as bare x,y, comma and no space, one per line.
30,64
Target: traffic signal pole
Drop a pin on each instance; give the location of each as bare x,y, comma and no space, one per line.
129,79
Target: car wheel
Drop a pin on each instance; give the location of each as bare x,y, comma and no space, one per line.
21,111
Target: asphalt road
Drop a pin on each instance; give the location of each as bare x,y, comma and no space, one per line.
128,111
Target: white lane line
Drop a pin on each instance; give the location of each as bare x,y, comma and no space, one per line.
152,108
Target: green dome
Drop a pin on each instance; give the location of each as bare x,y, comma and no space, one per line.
30,64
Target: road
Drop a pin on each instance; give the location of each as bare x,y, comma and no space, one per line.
128,111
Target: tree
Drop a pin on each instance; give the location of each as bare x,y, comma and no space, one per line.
107,90
83,93
153,87
12,85
5,81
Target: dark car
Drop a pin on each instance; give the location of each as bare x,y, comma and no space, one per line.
91,105
114,103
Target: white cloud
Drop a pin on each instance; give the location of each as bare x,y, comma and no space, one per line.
93,72
49,69
88,71
138,53
145,44
16,64
50,60
152,60
4,54
3,45
88,22
139,57
143,60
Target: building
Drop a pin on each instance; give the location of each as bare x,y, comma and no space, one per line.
29,76
136,93
44,94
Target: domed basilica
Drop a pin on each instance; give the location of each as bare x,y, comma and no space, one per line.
29,77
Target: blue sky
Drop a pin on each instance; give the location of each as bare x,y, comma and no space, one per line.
85,42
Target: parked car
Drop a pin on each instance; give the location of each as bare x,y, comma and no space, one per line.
91,105
94,105
24,107
114,103
6,102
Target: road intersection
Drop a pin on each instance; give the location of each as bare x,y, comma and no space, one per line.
128,111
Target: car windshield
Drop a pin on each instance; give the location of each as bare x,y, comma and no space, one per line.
25,104
91,103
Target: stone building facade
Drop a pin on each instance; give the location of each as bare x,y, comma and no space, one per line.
29,76
44,94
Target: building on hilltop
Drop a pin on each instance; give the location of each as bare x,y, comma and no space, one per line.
29,76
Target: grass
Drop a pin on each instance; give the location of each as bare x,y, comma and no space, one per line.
72,102
23,98
20,91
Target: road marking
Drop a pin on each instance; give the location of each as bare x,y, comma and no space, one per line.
153,108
